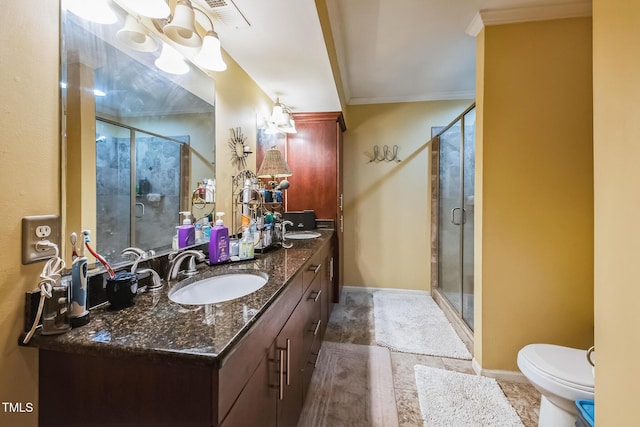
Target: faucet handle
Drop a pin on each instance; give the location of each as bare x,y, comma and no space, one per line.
140,254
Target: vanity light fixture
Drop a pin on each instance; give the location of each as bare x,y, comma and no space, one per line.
171,61
135,36
281,119
180,28
97,11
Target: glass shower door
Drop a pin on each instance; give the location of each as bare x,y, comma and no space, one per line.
456,214
450,216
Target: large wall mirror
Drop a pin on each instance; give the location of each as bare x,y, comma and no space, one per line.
137,140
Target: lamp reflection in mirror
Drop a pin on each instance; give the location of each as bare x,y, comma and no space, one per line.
281,119
97,11
171,61
135,36
274,166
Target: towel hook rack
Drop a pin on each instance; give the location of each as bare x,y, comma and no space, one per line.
387,155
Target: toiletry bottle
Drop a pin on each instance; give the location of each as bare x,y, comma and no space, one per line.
219,242
186,232
206,229
246,198
246,245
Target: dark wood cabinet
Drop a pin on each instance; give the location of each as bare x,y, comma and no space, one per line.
261,382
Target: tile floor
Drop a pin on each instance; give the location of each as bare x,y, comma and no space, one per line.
352,322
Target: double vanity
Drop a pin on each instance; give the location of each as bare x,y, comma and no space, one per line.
243,362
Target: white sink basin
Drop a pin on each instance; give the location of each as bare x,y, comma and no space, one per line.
300,235
216,289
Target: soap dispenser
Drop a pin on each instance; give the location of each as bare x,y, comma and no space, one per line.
219,242
186,232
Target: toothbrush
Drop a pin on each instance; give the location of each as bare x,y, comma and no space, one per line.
103,261
74,249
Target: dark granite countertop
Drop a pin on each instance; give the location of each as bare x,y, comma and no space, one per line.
159,329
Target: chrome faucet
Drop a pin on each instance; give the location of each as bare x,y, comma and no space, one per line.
138,253
176,258
284,232
156,281
141,255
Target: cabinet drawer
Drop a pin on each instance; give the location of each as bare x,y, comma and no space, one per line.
312,270
311,305
310,365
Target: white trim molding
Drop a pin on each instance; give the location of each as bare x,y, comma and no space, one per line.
373,289
510,376
527,14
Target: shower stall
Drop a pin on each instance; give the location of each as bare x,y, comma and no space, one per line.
453,170
139,177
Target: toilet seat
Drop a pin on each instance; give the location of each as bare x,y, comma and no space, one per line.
562,365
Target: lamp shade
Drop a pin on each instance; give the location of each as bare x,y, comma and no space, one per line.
135,36
182,28
273,165
210,56
171,61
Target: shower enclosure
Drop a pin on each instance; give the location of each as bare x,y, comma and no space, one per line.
453,165
139,176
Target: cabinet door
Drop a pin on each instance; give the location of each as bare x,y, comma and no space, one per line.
312,154
287,354
255,405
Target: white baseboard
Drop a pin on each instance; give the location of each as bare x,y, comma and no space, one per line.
373,289
510,376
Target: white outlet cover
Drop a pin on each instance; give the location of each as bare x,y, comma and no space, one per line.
36,229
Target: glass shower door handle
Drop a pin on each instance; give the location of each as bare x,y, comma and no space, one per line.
141,210
453,215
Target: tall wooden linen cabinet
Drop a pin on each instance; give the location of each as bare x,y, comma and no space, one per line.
314,155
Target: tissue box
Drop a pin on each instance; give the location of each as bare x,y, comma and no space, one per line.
305,220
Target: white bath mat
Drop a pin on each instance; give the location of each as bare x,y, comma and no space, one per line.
414,323
454,399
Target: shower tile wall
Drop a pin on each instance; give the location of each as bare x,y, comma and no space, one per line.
158,161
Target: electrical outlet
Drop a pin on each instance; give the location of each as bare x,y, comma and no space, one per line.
37,229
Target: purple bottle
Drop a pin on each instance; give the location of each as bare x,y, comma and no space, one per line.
219,242
186,232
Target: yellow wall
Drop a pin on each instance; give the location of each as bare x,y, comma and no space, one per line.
536,176
239,101
387,218
30,177
616,67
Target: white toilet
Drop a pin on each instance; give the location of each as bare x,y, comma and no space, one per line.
562,375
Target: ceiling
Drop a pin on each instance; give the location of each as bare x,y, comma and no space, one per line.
387,50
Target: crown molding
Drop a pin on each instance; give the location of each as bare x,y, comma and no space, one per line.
431,96
527,14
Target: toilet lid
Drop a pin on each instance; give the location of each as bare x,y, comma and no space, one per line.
567,365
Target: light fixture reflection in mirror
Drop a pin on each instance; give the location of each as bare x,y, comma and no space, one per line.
143,114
